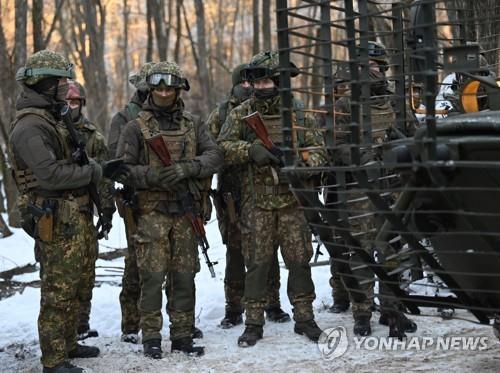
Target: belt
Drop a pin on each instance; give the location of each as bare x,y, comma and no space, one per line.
154,196
80,200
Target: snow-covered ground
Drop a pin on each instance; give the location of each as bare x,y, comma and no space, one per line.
280,350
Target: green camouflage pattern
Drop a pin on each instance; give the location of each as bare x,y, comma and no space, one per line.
339,291
44,58
229,181
67,272
269,59
166,67
236,138
262,232
96,149
166,248
138,80
236,74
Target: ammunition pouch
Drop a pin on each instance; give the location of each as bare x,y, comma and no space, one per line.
25,180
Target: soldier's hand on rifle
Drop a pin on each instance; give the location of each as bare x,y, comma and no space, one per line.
179,171
261,156
96,171
115,170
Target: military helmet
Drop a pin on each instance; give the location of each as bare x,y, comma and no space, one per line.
265,65
236,75
342,74
76,92
168,72
138,80
44,64
377,52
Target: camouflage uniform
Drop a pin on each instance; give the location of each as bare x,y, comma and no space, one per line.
165,242
131,289
229,193
269,213
41,158
364,227
96,148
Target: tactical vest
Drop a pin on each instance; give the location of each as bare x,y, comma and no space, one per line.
275,131
382,118
181,144
25,179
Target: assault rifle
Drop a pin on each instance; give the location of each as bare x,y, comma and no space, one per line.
159,147
254,121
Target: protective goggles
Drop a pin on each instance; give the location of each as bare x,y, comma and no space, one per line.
169,80
375,50
24,72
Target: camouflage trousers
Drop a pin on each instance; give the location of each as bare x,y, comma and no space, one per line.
87,288
131,288
263,231
339,291
234,279
67,278
363,228
166,250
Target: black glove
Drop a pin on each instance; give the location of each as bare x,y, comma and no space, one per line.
261,156
106,223
173,174
115,170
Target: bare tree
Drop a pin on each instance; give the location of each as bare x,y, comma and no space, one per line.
149,17
178,20
204,76
266,24
256,29
158,13
39,41
126,68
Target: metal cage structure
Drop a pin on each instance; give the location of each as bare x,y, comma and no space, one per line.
407,99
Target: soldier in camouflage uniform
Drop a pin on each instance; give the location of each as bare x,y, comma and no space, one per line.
228,207
363,221
165,243
270,217
51,183
131,290
96,148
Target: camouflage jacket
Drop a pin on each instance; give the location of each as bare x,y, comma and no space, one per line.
236,138
96,149
229,178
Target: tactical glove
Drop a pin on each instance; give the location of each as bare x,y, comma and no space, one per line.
96,171
179,171
115,170
261,156
153,178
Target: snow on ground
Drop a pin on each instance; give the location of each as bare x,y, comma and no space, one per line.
281,350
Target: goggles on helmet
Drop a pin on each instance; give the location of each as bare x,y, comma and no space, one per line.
169,80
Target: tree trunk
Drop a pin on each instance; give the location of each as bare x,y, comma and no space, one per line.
37,18
158,12
126,68
149,45
256,30
266,24
20,36
202,54
178,34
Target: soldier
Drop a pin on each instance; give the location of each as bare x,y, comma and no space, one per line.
364,225
228,207
131,290
269,213
96,148
165,242
55,205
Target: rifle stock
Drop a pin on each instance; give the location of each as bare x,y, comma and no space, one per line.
159,147
254,121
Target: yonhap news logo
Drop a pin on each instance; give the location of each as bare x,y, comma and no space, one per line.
334,342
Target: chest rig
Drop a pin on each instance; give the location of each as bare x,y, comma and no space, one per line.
24,178
382,119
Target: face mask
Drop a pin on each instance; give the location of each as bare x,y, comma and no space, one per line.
62,91
163,101
242,93
378,83
266,93
75,114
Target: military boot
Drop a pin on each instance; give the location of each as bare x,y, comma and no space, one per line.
82,352
250,336
130,338
64,367
339,306
86,332
231,319
308,328
152,349
186,346
362,326
276,314
408,325
196,333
